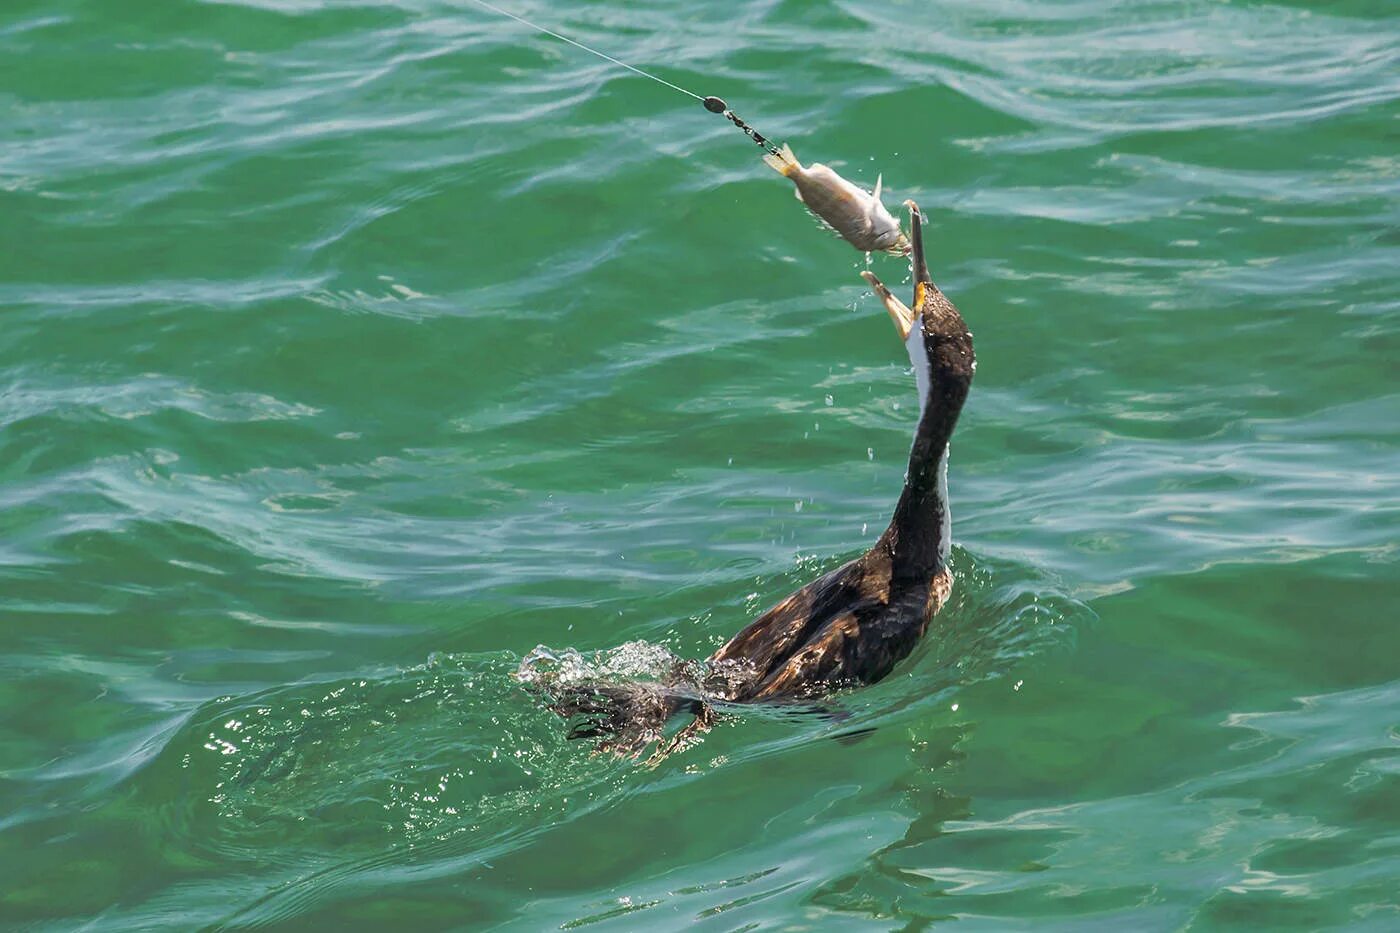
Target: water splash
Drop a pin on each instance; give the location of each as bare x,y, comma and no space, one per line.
634,660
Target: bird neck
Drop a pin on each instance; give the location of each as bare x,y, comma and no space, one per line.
919,535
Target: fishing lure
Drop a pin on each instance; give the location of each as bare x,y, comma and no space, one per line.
857,215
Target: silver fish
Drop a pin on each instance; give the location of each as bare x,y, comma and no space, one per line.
855,214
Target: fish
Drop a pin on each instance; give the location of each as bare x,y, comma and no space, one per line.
855,214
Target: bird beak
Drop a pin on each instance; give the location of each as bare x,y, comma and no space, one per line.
899,312
923,282
905,319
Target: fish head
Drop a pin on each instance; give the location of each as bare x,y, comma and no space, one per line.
904,317
888,236
896,243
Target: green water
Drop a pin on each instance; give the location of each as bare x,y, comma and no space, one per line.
349,350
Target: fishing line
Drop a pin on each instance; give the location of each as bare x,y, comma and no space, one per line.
712,104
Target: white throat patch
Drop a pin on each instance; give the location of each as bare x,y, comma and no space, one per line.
918,357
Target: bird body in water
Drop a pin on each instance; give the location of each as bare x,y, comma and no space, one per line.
850,626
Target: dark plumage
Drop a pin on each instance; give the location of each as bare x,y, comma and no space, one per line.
850,626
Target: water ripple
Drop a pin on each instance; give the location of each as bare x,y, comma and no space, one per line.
339,336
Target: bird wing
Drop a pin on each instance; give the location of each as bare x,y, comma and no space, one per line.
820,662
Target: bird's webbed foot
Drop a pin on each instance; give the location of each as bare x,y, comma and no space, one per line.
689,735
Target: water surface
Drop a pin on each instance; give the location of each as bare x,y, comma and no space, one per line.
352,350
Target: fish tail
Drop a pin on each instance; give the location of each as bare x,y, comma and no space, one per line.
783,162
